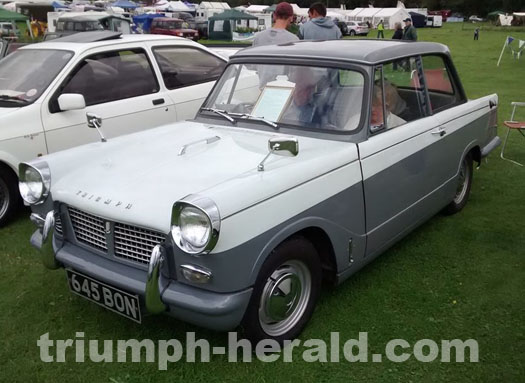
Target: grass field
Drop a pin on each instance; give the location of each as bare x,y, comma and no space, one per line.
455,277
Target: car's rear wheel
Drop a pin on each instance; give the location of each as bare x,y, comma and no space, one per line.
9,196
464,183
352,32
285,292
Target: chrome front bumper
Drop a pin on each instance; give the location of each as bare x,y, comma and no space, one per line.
209,309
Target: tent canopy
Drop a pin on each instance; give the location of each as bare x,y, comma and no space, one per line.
175,6
57,5
6,15
233,14
125,4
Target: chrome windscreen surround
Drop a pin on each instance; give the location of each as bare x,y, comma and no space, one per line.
210,209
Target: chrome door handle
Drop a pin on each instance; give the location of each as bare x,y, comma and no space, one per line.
439,132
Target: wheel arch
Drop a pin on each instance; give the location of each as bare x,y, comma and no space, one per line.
314,230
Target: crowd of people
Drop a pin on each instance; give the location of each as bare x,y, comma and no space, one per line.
318,27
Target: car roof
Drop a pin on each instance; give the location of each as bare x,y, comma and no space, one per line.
366,51
84,41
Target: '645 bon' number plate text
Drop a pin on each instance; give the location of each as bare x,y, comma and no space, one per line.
116,300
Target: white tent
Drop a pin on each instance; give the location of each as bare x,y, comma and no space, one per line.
174,6
367,14
206,9
505,20
390,16
335,15
256,8
354,13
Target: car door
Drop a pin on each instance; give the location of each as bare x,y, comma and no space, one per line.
120,86
189,73
401,160
459,121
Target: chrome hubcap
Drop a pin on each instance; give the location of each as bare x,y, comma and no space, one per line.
285,297
463,181
4,197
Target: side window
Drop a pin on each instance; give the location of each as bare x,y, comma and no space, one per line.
181,66
441,89
404,96
112,76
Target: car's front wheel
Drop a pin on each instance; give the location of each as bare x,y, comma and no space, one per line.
464,184
9,196
285,292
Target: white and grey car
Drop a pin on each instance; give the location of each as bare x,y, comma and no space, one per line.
306,162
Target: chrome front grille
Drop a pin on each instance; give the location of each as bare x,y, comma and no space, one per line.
135,243
129,242
58,225
89,229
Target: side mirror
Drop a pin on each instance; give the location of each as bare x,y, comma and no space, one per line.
95,122
71,101
284,146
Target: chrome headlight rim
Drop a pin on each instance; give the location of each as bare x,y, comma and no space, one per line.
206,206
42,168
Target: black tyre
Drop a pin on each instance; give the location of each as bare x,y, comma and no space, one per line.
463,188
352,32
285,292
9,195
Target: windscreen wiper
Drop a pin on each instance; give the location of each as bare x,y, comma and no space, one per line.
255,118
5,97
221,113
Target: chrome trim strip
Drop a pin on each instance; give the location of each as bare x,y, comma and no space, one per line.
153,299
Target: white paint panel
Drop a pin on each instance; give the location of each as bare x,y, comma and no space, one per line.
248,224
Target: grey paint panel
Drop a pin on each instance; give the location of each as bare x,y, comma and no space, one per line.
193,305
340,217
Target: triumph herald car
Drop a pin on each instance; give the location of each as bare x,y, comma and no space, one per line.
306,162
134,82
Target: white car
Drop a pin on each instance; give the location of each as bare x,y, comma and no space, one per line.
133,82
357,28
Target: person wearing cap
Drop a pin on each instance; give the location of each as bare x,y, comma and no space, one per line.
319,27
283,16
409,33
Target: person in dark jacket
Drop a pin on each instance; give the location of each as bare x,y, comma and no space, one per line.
398,32
410,32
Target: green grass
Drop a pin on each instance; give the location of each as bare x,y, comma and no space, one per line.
455,277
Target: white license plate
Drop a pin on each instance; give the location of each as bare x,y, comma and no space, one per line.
110,297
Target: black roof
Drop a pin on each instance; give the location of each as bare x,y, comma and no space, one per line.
365,51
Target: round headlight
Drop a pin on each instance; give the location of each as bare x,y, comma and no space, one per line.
34,182
195,229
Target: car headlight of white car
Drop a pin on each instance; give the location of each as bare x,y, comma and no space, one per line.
34,182
195,224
